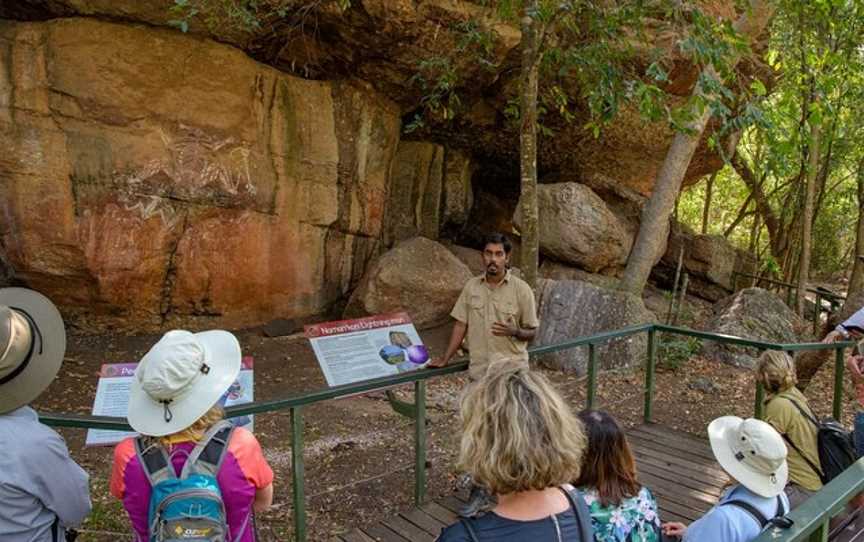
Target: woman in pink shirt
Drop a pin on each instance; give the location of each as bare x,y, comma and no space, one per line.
172,400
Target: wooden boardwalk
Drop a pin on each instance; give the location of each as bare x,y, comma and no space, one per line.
678,467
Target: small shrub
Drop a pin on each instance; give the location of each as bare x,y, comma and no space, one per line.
673,352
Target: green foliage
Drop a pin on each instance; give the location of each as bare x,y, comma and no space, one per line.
674,351
816,52
239,15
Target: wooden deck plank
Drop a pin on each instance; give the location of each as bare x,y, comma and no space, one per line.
356,536
408,530
444,515
694,453
669,461
653,473
382,533
424,521
685,495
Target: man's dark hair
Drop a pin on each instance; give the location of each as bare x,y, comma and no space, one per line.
498,239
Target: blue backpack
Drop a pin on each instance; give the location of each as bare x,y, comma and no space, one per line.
189,507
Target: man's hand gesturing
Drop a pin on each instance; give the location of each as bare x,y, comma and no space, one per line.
505,330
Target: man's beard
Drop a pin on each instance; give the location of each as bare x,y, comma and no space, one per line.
492,269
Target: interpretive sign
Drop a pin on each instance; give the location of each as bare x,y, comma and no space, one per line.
112,398
354,350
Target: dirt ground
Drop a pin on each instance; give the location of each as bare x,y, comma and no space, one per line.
359,453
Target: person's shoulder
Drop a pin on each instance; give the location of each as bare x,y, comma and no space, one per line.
242,441
518,282
454,533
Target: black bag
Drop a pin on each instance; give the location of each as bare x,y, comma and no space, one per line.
835,444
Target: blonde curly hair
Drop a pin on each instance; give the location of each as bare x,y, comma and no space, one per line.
776,371
519,434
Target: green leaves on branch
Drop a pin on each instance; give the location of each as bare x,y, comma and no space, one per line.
240,15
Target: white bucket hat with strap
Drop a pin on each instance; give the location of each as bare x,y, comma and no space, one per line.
180,379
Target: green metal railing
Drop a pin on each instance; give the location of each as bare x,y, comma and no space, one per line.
835,300
810,521
417,410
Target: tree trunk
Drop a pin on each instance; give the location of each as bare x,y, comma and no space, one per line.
807,219
856,281
706,210
654,225
528,149
653,228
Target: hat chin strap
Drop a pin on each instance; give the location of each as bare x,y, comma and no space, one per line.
31,324
166,408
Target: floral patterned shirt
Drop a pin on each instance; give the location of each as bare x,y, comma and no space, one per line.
635,519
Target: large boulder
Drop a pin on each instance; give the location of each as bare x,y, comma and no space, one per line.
571,308
553,270
752,313
709,261
198,189
578,228
419,276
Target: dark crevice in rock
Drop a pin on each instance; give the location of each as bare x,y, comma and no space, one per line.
34,10
165,305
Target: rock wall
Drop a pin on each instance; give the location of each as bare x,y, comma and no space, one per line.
384,41
175,178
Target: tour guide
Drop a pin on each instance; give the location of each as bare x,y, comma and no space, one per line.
497,312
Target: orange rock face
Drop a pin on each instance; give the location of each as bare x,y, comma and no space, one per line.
149,178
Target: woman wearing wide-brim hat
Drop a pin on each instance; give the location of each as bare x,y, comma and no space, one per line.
174,404
754,455
42,490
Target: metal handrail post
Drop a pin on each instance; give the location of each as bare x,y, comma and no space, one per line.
420,442
837,401
298,474
592,376
647,410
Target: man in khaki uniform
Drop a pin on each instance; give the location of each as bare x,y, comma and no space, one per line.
497,312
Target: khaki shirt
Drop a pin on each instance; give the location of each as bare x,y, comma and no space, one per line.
786,419
480,306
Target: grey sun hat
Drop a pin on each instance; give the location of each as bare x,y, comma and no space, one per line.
32,346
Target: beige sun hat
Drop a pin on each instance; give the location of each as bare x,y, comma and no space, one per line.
752,452
32,345
180,379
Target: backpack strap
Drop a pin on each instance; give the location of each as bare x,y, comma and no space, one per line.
154,460
756,514
581,512
472,534
812,465
750,509
803,412
207,456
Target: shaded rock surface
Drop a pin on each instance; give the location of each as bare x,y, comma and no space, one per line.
752,313
577,227
419,276
384,41
563,307
183,186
